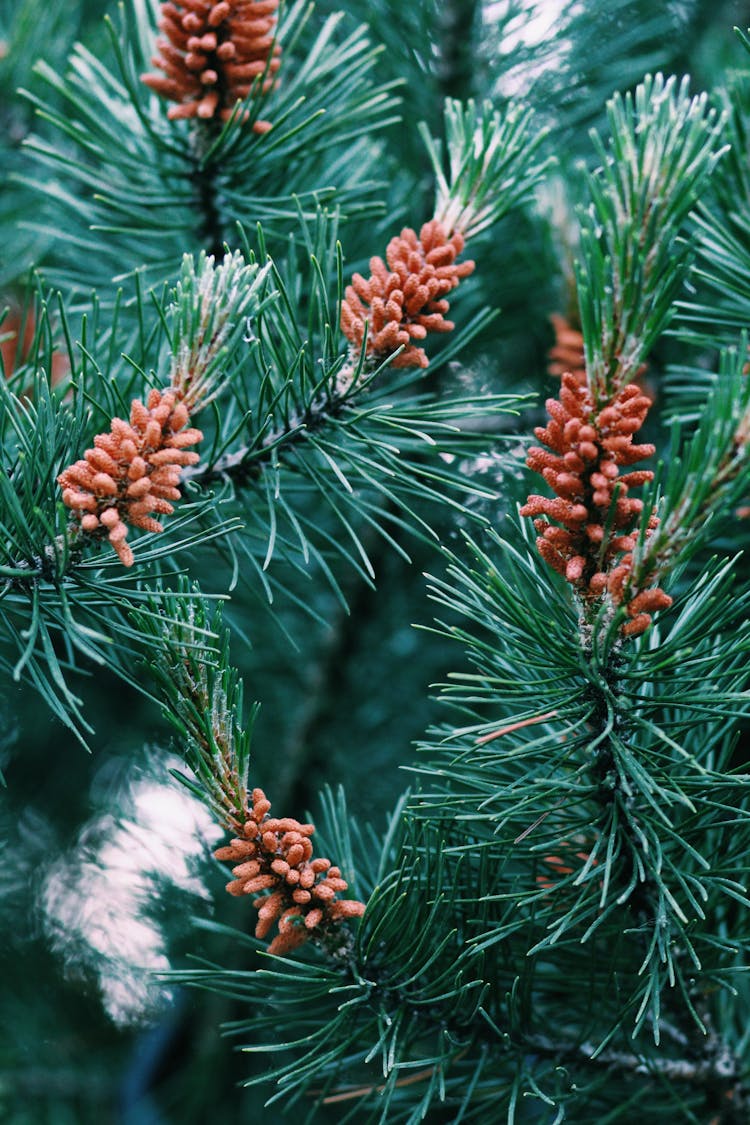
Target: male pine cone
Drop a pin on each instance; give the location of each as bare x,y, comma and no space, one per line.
276,857
213,54
133,471
594,533
404,297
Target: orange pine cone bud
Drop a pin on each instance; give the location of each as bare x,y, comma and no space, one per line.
585,449
213,54
301,890
132,472
404,297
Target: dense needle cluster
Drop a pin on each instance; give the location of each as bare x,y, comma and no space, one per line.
404,297
212,54
132,471
276,856
594,532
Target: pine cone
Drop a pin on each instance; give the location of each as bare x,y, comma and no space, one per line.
405,299
593,547
213,54
276,857
132,471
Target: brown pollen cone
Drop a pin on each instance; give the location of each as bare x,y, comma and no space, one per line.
595,519
566,354
212,53
404,297
133,471
275,856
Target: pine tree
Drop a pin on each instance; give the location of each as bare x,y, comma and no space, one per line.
255,380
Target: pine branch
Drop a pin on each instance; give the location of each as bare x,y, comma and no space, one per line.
201,697
664,146
554,923
206,181
606,816
203,324
718,1067
174,186
51,584
441,1034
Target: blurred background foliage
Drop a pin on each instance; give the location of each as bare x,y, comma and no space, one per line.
104,858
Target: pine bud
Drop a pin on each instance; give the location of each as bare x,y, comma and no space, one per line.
593,549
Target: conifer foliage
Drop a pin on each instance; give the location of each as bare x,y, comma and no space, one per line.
254,413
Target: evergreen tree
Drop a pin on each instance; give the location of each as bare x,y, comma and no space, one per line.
254,381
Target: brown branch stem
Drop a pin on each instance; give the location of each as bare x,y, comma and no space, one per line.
717,1065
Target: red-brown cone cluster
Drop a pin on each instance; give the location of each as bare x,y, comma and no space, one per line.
275,856
132,471
212,53
404,297
595,529
566,354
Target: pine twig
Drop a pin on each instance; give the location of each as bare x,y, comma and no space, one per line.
717,1065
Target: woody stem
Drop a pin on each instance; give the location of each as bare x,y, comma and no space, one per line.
204,177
